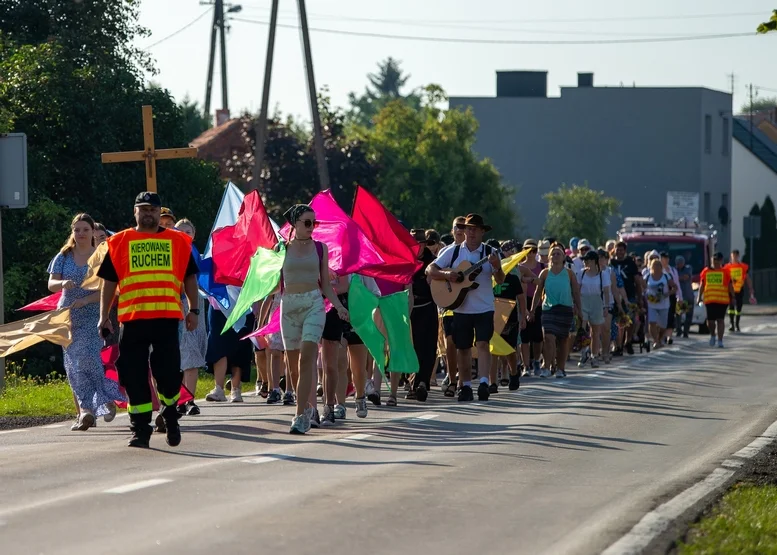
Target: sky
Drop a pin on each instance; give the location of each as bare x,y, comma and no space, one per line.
342,62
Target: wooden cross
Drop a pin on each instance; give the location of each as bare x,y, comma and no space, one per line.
149,155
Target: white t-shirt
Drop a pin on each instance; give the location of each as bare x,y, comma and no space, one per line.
607,279
480,300
658,288
590,285
578,265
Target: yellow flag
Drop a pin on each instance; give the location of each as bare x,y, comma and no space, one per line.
509,263
51,326
498,346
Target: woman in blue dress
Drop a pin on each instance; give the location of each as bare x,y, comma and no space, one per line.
95,394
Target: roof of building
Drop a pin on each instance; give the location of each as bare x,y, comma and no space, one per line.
218,144
756,141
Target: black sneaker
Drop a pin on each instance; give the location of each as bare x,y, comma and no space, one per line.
139,440
274,397
288,398
465,394
264,391
173,435
731,327
282,383
374,398
320,390
685,335
192,409
161,426
515,382
618,352
181,409
483,391
410,395
738,330
493,388
421,394
630,348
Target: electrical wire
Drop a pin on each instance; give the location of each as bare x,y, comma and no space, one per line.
685,38
171,35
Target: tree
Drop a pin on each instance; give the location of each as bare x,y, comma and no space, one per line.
384,87
195,122
427,171
73,83
760,104
579,211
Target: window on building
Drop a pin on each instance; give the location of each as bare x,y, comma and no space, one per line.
708,134
707,208
726,137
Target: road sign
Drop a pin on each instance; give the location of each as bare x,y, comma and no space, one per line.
752,227
13,170
682,205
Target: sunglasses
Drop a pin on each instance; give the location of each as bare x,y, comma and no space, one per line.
310,223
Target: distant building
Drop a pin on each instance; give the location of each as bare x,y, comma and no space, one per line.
754,174
221,143
634,143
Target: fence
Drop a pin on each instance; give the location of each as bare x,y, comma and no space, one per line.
765,284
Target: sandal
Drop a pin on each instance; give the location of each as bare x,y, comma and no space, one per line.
504,382
450,391
392,401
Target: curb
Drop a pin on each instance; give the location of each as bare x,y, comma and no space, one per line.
658,530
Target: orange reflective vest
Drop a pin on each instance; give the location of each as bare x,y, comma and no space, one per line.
151,269
738,273
716,284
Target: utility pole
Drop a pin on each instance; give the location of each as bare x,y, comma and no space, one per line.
732,79
751,117
318,139
219,26
261,127
211,61
220,13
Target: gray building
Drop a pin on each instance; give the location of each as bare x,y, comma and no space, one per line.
633,143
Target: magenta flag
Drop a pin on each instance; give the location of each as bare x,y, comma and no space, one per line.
45,304
350,251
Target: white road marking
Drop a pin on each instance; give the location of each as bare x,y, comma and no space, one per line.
139,485
356,437
266,459
11,432
52,426
426,417
655,522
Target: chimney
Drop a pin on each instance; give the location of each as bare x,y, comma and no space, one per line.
585,80
525,84
222,116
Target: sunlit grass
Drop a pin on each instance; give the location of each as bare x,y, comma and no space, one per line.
26,396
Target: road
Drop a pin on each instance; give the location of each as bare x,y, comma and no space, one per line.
561,466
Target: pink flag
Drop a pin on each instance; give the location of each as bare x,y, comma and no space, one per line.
349,249
45,304
234,245
394,243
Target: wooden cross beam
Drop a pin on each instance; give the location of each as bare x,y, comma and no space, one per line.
149,154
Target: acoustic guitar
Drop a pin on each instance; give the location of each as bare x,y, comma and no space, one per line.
449,295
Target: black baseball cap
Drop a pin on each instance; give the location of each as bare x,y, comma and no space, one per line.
148,198
718,256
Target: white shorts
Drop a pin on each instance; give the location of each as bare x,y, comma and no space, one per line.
302,318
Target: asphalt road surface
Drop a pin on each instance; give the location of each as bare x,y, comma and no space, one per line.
561,466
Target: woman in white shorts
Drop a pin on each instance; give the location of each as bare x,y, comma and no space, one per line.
594,300
305,277
659,287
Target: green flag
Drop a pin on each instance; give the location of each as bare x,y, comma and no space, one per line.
393,311
263,277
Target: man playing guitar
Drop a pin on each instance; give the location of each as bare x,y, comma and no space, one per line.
473,320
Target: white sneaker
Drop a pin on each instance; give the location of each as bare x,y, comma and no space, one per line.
526,373
298,425
216,395
236,396
361,407
545,373
329,416
339,412
370,388
111,412
313,419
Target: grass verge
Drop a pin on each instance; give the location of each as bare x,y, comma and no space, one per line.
745,522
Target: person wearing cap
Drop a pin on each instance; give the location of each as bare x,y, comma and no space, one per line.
685,285
150,266
739,276
451,381
473,321
531,335
543,251
716,294
579,251
166,218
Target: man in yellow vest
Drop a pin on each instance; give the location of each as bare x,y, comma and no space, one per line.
716,293
150,265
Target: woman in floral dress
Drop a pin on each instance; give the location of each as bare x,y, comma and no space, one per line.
95,394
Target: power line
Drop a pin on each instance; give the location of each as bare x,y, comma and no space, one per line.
171,35
685,38
534,20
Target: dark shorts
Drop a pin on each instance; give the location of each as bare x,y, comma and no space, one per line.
333,328
511,334
532,333
716,311
468,328
238,352
447,325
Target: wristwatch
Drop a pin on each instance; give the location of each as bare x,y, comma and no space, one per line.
195,311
